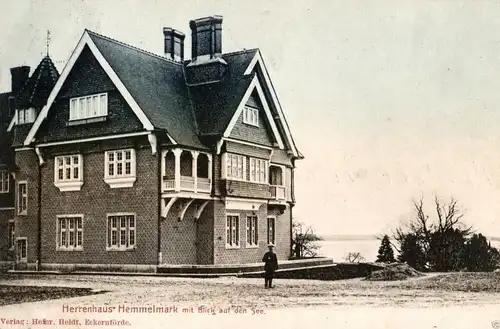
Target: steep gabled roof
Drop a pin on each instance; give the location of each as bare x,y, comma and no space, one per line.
157,84
216,103
38,87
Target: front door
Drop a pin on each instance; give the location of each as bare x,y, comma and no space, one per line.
22,250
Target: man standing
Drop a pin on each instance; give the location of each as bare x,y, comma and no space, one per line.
271,265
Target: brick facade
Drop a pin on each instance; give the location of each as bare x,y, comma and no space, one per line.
179,238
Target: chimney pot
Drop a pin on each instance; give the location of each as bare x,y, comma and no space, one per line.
174,44
19,76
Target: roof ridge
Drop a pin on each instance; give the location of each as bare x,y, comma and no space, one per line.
240,52
133,47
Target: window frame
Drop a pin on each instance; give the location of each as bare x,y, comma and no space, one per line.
252,231
79,107
4,181
123,180
227,172
273,218
22,212
67,232
128,229
251,116
230,230
261,169
71,184
28,116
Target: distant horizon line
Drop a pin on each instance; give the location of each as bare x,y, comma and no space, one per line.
369,237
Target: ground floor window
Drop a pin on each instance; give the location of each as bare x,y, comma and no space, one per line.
271,230
121,231
22,249
12,233
252,231
232,230
70,232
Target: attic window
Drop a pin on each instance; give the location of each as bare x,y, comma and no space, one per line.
251,116
86,107
25,116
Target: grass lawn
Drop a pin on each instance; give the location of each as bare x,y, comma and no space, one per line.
12,294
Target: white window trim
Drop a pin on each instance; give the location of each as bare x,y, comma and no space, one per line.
4,174
23,259
12,237
121,248
238,245
254,112
26,118
25,211
66,185
121,181
70,248
267,229
225,174
74,113
256,244
266,173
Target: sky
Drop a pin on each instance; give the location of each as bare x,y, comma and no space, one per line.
389,101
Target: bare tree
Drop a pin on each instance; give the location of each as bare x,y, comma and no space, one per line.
354,257
304,241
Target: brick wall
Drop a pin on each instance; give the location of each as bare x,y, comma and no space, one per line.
27,225
5,253
244,254
205,236
283,238
95,200
178,238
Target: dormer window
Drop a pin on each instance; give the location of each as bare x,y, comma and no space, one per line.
92,106
251,116
25,116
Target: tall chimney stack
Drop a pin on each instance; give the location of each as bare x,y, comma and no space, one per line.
206,38
19,76
174,44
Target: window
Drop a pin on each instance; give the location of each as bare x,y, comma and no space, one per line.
232,231
121,232
235,167
251,116
252,231
68,172
119,170
12,233
92,106
22,249
4,181
258,171
22,198
70,232
271,230
25,116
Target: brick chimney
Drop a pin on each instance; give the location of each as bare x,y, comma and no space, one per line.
174,44
207,64
19,76
206,37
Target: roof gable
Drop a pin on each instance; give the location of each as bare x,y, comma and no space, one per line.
85,40
258,62
254,87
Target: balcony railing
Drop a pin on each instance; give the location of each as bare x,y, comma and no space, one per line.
187,184
278,192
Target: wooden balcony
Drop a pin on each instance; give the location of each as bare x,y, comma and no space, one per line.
188,184
278,192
